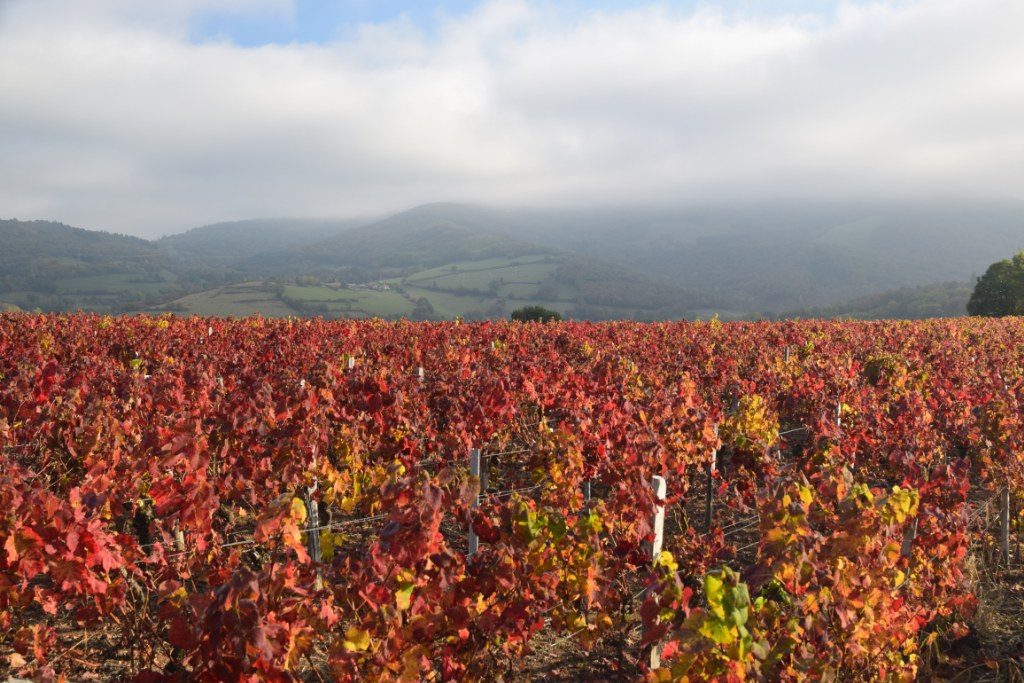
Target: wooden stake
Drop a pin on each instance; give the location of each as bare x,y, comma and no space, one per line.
313,531
709,503
1004,525
908,538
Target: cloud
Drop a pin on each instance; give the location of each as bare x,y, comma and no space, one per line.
110,117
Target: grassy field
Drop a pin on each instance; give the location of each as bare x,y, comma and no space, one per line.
247,298
492,287
520,280
116,283
352,302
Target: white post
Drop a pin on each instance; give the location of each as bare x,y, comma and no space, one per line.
474,470
1004,525
351,362
420,373
586,490
658,523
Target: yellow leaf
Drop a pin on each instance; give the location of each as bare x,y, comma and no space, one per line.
329,542
298,511
411,669
356,640
177,598
403,597
666,560
806,496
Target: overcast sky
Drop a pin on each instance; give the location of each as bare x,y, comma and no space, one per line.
153,117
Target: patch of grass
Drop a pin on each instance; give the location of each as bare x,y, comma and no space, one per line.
233,301
115,283
367,302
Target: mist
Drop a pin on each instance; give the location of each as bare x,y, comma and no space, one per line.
120,118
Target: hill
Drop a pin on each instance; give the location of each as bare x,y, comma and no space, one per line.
232,242
53,266
425,237
459,261
475,289
776,256
736,261
943,300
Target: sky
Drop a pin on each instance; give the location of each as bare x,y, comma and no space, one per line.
153,117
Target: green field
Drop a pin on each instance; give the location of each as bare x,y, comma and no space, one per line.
492,287
117,283
247,298
363,303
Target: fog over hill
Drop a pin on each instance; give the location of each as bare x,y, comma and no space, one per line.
739,260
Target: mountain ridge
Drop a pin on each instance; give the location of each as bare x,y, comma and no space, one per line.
740,260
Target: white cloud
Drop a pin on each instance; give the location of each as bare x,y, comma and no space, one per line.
110,117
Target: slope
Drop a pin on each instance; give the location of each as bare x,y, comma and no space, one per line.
231,242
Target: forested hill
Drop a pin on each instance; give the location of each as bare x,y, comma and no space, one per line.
881,259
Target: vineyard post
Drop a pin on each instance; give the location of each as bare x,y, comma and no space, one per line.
787,354
313,530
1004,525
658,524
474,471
420,373
351,362
485,475
908,538
586,490
179,538
709,503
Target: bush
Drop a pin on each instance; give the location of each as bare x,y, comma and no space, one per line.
535,314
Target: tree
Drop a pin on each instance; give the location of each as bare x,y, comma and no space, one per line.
535,313
1000,291
424,310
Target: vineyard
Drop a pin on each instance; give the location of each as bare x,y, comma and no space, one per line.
209,500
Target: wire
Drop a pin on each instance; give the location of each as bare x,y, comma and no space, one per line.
748,546
249,541
736,530
513,452
743,520
509,492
